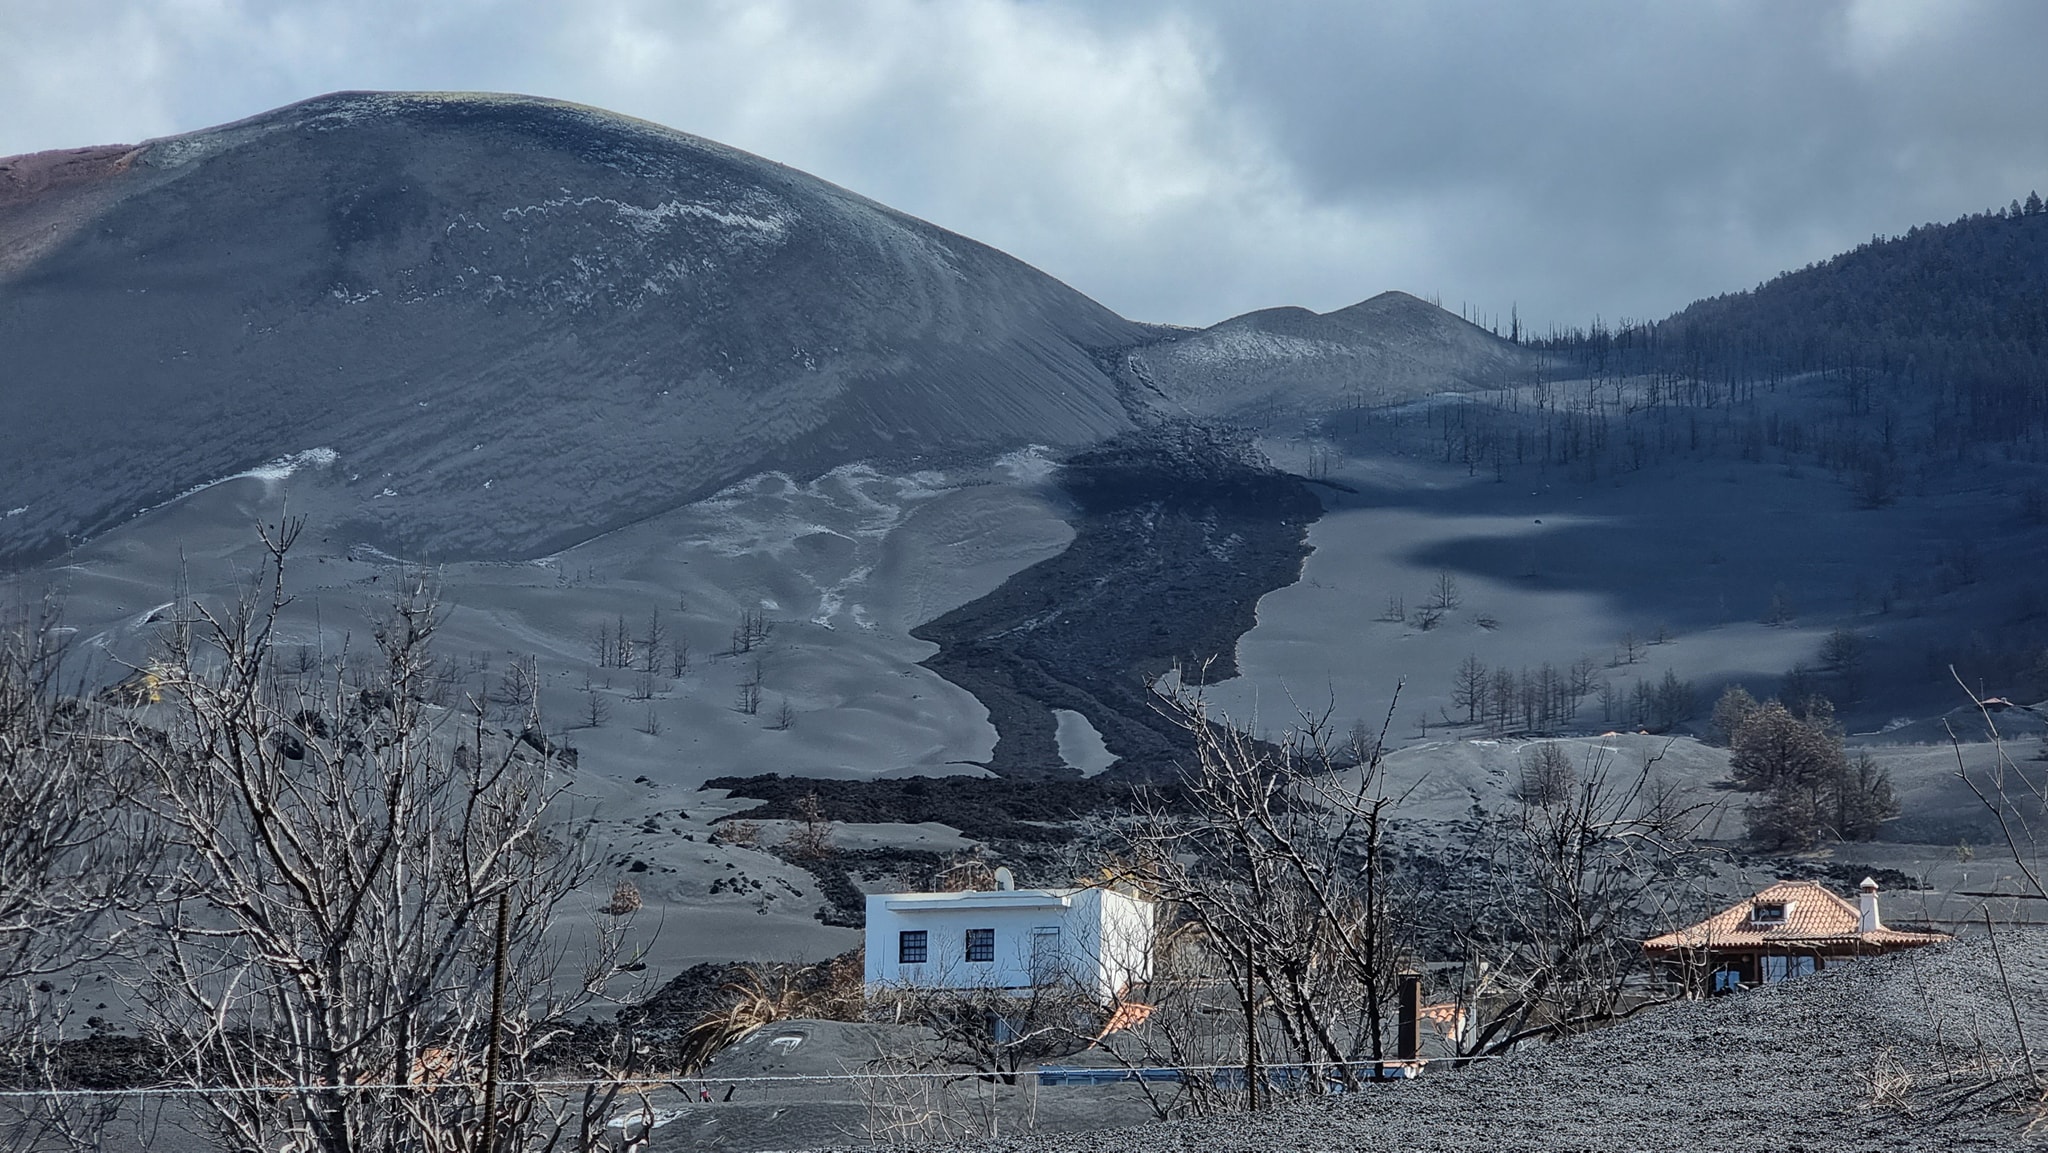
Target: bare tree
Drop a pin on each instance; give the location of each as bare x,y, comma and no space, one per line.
519,691
752,631
1283,868
368,889
1631,648
1193,1019
1502,696
74,856
1579,874
597,709
1581,680
622,645
1469,687
1444,595
1547,776
748,696
656,640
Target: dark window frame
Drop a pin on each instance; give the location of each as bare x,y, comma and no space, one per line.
981,946
913,946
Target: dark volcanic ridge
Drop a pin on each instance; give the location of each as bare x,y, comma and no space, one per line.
515,322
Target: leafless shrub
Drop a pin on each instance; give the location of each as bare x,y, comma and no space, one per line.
765,994
996,1031
625,899
1891,1083
811,839
744,834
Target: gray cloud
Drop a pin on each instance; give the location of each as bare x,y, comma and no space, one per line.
1184,160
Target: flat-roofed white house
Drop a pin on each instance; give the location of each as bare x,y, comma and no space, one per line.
1099,940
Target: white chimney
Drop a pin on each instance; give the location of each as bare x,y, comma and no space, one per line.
1867,898
1006,880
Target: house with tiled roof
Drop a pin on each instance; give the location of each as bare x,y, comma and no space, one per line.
1788,929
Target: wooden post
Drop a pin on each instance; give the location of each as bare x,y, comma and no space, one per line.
1408,1043
493,1052
1251,1032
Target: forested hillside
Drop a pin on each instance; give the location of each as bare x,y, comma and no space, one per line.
1953,316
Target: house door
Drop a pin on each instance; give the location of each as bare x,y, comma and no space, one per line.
1048,959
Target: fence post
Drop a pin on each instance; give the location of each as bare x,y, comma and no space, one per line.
1408,1043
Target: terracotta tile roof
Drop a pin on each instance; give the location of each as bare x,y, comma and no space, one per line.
1813,915
1128,1015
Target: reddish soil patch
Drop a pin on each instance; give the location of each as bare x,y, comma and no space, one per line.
24,179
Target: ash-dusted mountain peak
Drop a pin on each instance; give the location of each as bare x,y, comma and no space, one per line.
516,323
1278,365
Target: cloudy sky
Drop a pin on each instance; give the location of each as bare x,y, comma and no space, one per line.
1183,160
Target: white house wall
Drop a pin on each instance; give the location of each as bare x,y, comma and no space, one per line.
1126,929
1104,938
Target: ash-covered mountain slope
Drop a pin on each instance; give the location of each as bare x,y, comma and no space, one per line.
1281,364
516,322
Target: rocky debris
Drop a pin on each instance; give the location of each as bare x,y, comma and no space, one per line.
980,807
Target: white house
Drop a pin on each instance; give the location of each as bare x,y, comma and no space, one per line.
1009,938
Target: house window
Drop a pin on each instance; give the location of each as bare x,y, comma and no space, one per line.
912,946
1776,969
1768,913
981,944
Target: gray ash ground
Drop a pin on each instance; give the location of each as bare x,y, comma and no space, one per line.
1178,533
1795,1066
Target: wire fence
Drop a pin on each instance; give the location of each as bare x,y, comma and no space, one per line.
1362,1070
